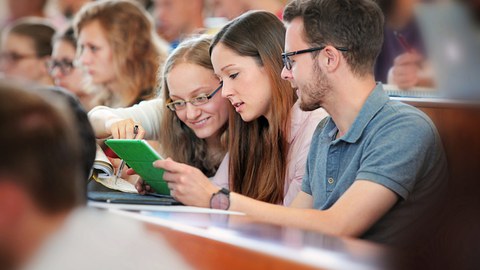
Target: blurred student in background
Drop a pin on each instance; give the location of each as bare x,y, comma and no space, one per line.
70,7
67,74
42,196
26,47
177,19
190,121
269,136
17,9
402,60
119,49
231,9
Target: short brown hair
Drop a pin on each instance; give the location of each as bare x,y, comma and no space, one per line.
39,30
354,24
40,149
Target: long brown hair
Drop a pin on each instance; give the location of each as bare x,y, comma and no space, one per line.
179,141
137,50
259,149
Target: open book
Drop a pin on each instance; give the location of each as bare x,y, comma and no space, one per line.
104,173
102,167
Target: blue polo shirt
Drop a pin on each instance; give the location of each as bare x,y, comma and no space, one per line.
389,143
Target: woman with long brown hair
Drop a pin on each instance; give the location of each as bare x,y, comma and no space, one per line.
269,136
118,47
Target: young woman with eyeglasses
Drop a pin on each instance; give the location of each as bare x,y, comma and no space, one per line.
269,136
69,76
25,49
191,119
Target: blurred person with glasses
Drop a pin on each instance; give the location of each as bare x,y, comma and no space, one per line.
189,120
67,74
26,47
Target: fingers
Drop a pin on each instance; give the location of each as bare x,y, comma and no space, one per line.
408,59
141,132
170,165
406,77
115,162
142,187
124,129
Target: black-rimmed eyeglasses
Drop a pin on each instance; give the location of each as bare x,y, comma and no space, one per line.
196,101
288,62
65,66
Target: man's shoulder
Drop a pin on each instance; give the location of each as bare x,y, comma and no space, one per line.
396,112
402,125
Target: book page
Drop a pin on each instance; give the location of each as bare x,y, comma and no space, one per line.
120,184
104,173
102,166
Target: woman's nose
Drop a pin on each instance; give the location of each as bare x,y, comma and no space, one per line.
192,111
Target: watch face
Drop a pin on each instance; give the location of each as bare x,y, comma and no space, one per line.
220,201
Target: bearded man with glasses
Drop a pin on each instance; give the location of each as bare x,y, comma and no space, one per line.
376,167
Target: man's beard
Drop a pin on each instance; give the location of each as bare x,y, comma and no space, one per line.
313,94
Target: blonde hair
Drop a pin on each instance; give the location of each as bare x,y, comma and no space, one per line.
179,141
137,50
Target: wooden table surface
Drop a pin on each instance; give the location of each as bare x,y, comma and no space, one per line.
225,241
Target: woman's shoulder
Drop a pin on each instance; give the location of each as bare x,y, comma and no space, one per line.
303,121
300,117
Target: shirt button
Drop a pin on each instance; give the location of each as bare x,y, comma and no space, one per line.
330,180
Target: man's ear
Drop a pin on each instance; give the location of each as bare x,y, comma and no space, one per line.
45,60
331,58
12,205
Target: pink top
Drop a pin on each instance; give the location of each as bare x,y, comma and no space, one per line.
303,126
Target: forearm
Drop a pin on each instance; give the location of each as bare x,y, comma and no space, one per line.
308,219
147,113
99,118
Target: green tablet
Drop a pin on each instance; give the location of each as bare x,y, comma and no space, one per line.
139,155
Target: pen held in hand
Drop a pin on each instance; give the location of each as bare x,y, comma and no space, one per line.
122,164
401,39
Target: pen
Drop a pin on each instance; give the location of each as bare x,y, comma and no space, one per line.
122,164
403,42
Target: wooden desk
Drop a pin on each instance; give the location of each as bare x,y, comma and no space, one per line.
219,241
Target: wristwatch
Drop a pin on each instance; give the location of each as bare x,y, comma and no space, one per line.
220,199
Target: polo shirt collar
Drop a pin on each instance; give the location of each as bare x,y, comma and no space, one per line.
374,103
